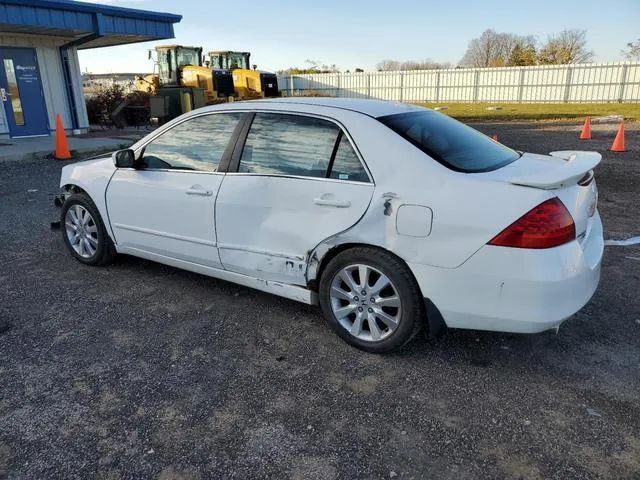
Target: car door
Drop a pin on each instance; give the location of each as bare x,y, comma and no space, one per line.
166,207
295,181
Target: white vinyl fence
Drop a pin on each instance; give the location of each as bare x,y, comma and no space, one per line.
577,83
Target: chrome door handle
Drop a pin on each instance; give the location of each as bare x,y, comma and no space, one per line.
332,203
201,193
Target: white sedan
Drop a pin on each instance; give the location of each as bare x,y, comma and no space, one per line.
391,217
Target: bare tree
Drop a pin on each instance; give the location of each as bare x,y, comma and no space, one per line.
395,65
632,52
569,46
388,66
493,49
482,50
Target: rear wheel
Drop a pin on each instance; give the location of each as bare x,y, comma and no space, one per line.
371,299
83,231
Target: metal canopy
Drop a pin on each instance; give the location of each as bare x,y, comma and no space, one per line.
85,25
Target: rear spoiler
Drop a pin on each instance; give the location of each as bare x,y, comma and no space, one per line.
577,165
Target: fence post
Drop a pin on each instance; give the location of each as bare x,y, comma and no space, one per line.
567,86
437,99
338,93
623,82
521,85
291,85
401,86
476,81
368,85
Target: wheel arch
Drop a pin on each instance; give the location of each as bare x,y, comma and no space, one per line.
432,318
73,188
318,262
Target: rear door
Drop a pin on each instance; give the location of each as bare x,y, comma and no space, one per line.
296,181
167,207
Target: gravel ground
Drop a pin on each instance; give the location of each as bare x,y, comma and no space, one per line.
138,370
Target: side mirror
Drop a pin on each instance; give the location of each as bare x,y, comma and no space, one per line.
124,158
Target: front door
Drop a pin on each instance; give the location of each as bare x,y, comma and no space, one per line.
166,205
21,92
299,182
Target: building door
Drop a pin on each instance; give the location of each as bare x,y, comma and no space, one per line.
21,92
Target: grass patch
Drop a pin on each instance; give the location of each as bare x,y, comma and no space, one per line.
537,111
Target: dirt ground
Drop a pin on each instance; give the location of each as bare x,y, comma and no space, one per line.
138,370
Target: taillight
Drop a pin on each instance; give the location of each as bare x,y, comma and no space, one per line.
548,225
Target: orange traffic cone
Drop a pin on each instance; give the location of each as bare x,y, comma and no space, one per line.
62,146
494,137
618,143
585,134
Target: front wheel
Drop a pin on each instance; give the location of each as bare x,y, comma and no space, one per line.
83,231
371,299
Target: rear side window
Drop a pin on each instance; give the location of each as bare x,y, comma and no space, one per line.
282,144
346,164
287,144
450,142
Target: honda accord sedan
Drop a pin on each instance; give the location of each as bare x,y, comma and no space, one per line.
390,217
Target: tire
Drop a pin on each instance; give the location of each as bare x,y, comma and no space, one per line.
95,246
366,321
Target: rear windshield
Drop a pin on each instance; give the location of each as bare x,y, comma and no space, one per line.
450,142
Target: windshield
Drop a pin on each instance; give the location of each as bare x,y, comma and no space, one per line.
229,60
450,142
237,60
188,57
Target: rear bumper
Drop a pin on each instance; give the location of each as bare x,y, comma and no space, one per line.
517,290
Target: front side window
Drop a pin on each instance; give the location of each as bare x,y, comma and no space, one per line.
450,142
282,144
195,144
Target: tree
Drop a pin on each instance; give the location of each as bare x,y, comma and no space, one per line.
359,70
493,49
569,46
523,55
396,66
388,66
633,50
314,66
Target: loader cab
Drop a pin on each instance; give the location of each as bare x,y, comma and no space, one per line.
229,60
172,58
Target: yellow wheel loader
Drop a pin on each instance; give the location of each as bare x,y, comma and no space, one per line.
183,83
248,83
148,83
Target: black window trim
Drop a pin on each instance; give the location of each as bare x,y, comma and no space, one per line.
334,152
234,166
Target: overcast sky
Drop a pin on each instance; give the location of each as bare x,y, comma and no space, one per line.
350,34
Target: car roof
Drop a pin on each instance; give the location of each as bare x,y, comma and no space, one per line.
372,108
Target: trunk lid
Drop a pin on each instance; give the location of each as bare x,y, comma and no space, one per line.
566,174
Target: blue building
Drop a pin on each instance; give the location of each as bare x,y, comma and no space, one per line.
39,70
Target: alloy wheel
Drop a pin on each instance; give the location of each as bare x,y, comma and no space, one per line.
82,231
365,302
